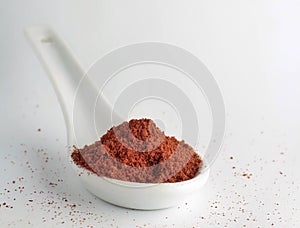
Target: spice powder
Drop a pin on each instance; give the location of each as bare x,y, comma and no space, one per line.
138,151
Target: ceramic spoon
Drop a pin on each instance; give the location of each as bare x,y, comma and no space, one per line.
66,75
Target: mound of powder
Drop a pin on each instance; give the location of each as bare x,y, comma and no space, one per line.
138,151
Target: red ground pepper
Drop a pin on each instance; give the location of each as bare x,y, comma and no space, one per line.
138,151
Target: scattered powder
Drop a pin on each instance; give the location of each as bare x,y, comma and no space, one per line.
228,208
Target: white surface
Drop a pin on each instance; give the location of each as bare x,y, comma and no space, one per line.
251,47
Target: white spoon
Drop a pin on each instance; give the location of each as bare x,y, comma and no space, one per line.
66,74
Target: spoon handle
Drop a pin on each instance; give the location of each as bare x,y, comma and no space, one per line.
62,68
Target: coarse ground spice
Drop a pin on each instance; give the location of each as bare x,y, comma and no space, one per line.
138,151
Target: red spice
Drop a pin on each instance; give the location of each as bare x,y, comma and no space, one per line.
247,175
138,151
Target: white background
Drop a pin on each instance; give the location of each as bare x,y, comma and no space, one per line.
251,47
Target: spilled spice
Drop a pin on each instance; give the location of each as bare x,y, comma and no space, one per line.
138,151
